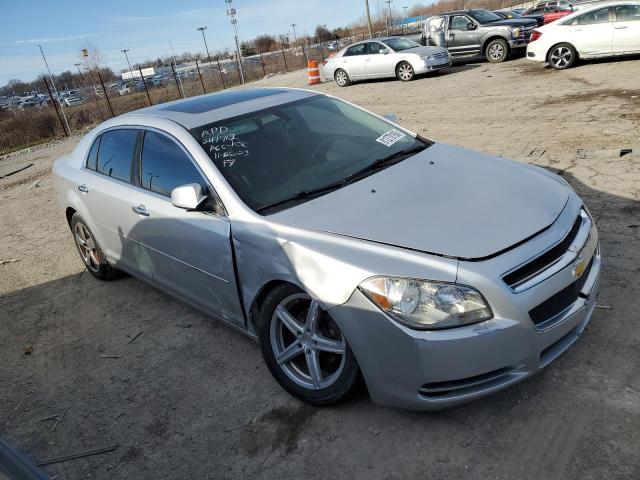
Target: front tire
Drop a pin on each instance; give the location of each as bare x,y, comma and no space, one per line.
342,78
405,72
90,251
562,56
304,348
497,51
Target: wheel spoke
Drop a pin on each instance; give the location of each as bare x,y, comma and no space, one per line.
329,345
289,321
313,363
289,353
312,317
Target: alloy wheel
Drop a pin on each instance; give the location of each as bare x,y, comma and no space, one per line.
561,57
87,247
306,342
405,72
496,51
341,78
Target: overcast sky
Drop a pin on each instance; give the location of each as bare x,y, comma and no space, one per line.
146,27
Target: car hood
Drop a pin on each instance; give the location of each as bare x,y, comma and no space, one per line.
445,200
423,50
513,22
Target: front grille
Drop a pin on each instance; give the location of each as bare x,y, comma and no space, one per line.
561,301
544,261
440,55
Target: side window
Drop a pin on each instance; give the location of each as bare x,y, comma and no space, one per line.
459,22
374,48
627,13
435,24
165,165
355,50
597,16
92,158
116,153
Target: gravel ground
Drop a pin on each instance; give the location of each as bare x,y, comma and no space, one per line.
86,365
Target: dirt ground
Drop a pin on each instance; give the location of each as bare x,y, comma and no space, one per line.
190,398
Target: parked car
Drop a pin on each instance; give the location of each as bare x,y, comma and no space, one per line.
73,100
478,32
344,243
508,14
550,13
384,57
602,30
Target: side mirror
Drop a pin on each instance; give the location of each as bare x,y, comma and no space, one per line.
189,196
384,51
471,26
392,117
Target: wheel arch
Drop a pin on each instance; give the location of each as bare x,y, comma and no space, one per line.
258,299
489,39
69,212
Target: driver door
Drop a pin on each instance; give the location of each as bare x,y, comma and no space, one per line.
378,64
189,251
463,35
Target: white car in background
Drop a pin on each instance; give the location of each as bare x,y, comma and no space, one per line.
604,29
383,58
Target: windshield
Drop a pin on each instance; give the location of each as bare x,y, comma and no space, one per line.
399,44
285,152
484,16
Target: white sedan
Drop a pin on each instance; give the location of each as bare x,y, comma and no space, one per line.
604,29
384,57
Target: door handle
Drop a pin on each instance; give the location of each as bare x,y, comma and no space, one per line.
83,188
620,27
140,210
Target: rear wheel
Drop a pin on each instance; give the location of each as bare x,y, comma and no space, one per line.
89,250
304,348
497,51
404,72
562,56
342,78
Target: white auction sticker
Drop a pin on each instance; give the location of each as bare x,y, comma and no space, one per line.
391,137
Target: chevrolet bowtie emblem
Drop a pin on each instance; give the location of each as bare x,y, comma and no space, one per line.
579,267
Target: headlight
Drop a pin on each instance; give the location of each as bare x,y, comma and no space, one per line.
516,32
427,305
426,57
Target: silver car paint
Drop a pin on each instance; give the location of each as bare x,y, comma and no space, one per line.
395,361
356,66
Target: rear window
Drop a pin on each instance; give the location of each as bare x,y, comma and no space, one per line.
116,153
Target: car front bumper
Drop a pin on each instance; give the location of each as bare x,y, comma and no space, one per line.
431,370
431,66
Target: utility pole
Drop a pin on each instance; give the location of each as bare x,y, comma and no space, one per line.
366,2
294,25
55,89
125,50
231,12
202,29
180,87
388,2
405,18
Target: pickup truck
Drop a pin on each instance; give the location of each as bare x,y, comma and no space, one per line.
478,32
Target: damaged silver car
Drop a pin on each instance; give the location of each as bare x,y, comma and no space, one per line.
345,244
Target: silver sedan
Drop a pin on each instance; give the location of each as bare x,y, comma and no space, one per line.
347,245
384,57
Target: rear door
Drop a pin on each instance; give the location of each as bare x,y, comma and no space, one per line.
353,60
378,64
461,38
189,252
107,192
626,29
592,32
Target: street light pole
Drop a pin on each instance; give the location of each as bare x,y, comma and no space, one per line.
405,18
202,29
388,2
294,25
125,50
231,12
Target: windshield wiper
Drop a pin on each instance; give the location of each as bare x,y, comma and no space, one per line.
365,172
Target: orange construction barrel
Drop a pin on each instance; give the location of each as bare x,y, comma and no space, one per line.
314,72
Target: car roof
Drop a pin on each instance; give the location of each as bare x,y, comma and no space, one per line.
196,111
